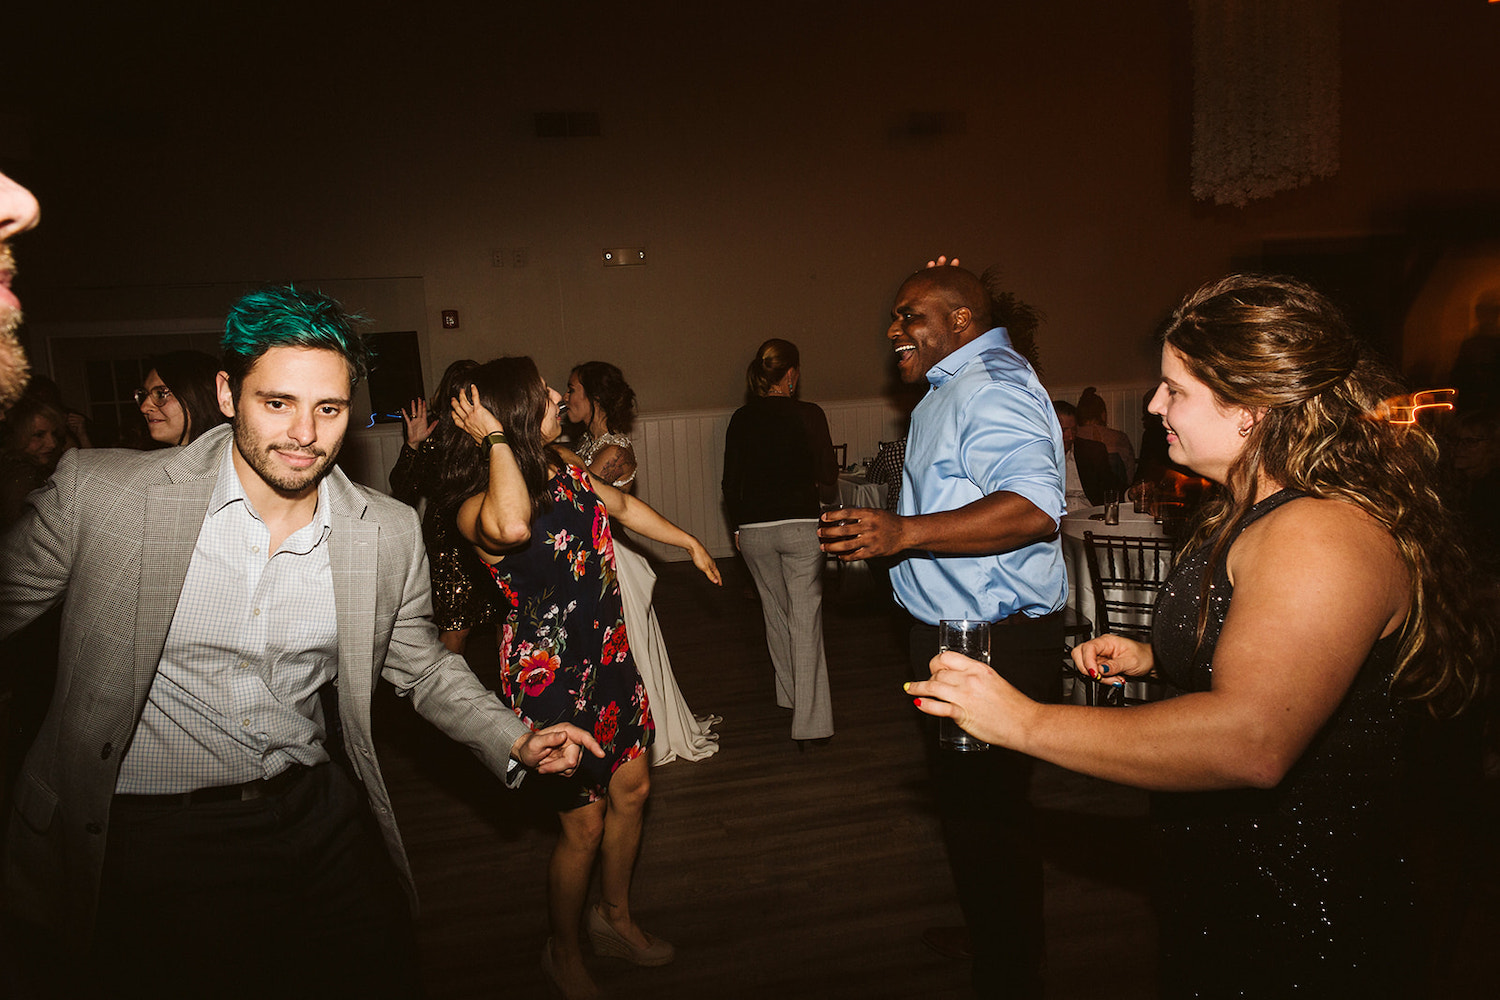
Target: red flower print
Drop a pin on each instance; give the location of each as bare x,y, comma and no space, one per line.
615,645
608,725
536,670
507,636
580,563
508,592
604,541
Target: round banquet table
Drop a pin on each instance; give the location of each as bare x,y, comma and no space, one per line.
1080,584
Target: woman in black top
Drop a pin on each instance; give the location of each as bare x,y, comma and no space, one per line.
778,467
458,604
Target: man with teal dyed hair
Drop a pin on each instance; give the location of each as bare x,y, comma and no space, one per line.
282,316
187,799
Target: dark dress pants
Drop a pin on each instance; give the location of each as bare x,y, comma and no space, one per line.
988,823
287,896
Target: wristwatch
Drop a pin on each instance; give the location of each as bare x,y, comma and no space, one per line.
493,438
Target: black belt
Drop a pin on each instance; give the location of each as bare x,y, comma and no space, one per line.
262,788
1019,618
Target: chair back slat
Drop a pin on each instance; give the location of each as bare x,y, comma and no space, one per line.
1127,573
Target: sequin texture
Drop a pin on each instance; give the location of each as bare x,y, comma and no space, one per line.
1297,890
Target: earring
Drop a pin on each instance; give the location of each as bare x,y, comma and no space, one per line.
1245,431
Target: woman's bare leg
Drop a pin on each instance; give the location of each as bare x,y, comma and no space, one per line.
568,876
629,788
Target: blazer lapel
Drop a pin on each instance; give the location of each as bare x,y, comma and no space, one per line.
173,517
353,556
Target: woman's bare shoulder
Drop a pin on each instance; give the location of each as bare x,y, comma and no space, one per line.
1312,541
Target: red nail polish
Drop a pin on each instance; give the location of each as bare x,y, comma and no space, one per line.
917,702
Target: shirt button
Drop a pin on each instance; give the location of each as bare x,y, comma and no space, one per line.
105,751
256,612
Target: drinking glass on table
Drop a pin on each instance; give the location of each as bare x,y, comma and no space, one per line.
971,638
1111,506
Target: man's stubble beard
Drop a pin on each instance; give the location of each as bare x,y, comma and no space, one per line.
257,453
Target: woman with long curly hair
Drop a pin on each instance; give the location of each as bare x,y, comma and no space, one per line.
541,524
1318,622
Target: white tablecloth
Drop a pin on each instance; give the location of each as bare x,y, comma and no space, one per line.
855,492
1080,584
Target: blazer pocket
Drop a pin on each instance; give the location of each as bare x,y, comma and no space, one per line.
36,804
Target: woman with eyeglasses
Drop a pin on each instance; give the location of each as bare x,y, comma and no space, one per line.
179,397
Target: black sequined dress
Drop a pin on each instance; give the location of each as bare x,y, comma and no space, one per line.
1297,890
457,602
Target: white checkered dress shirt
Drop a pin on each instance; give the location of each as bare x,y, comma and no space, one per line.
235,697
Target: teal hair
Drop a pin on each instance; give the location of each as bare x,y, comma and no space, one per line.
282,316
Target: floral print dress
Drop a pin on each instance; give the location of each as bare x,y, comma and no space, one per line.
563,647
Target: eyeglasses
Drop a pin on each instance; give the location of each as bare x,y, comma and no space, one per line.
159,395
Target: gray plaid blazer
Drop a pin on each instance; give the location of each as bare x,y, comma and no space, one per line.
111,536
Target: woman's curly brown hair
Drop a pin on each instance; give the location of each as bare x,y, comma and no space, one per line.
1277,346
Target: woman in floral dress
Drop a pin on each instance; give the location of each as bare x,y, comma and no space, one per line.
541,524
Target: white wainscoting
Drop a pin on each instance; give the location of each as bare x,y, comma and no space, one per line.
681,454
681,458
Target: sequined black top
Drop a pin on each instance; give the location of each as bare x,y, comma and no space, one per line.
1297,890
457,603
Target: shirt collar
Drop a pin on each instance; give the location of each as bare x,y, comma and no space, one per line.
950,366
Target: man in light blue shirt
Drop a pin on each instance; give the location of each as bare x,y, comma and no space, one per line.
976,530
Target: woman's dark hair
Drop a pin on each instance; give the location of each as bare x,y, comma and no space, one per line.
772,361
512,389
193,378
1091,408
606,388
1275,345
455,377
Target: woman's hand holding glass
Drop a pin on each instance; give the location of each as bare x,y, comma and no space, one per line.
983,703
1112,658
471,416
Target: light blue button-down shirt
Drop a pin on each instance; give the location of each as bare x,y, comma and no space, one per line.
985,426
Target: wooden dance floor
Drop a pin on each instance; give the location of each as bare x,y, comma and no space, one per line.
777,874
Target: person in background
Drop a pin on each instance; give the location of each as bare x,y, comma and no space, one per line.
1471,455
179,397
184,824
1093,425
462,597
977,529
1087,471
1318,622
600,399
779,467
890,458
543,526
33,437
75,422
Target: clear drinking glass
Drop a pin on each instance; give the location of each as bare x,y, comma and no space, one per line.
971,638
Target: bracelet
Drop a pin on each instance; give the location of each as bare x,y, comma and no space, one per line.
493,438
